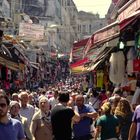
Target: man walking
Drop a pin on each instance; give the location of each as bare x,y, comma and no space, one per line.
87,113
10,129
26,109
61,118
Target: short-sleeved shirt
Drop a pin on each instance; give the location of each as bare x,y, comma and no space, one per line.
108,125
82,128
28,113
61,118
13,130
136,119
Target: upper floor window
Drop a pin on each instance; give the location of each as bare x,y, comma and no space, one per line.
84,28
90,28
68,2
79,28
62,3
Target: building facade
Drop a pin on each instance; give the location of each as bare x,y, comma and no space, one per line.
88,23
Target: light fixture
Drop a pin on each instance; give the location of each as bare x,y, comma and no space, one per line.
121,45
21,41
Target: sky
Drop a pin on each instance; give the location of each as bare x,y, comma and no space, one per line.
94,6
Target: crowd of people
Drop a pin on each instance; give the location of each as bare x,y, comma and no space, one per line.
70,110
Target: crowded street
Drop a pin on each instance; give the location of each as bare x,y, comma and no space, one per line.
70,70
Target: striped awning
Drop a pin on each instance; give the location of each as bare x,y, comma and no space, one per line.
9,64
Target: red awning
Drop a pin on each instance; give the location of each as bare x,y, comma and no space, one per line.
129,20
80,43
89,44
106,33
79,63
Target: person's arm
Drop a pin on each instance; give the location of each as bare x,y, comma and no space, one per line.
26,129
89,115
33,128
76,117
132,131
117,130
97,132
21,135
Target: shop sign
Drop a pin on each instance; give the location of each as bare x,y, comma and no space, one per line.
31,32
134,6
106,33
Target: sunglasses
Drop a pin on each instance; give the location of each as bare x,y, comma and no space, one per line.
2,105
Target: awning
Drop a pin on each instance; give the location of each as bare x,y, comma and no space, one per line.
107,33
79,63
129,19
79,70
97,50
5,50
89,44
94,65
9,64
104,53
35,66
80,43
128,10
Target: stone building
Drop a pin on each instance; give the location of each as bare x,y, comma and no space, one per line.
89,23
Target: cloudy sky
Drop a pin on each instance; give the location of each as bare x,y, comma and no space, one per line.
94,6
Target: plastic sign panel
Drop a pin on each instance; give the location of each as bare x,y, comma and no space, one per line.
28,31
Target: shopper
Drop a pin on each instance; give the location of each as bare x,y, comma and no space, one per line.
41,123
124,114
14,112
10,129
61,118
87,113
107,125
26,109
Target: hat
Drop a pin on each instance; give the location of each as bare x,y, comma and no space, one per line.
106,106
12,103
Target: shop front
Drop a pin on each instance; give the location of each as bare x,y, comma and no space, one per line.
116,50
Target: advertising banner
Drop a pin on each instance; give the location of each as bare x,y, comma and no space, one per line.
28,31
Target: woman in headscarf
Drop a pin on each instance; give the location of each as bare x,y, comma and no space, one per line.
41,122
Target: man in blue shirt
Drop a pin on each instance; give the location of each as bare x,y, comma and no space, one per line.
81,129
10,129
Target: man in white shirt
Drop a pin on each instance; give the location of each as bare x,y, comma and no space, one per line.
26,109
54,100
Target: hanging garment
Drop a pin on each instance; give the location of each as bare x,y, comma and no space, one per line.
131,55
117,67
100,80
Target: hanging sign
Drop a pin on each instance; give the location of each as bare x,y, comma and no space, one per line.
106,33
31,32
129,10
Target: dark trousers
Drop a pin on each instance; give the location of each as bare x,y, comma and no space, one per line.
86,137
62,139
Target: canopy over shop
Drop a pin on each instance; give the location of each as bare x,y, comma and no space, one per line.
106,48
